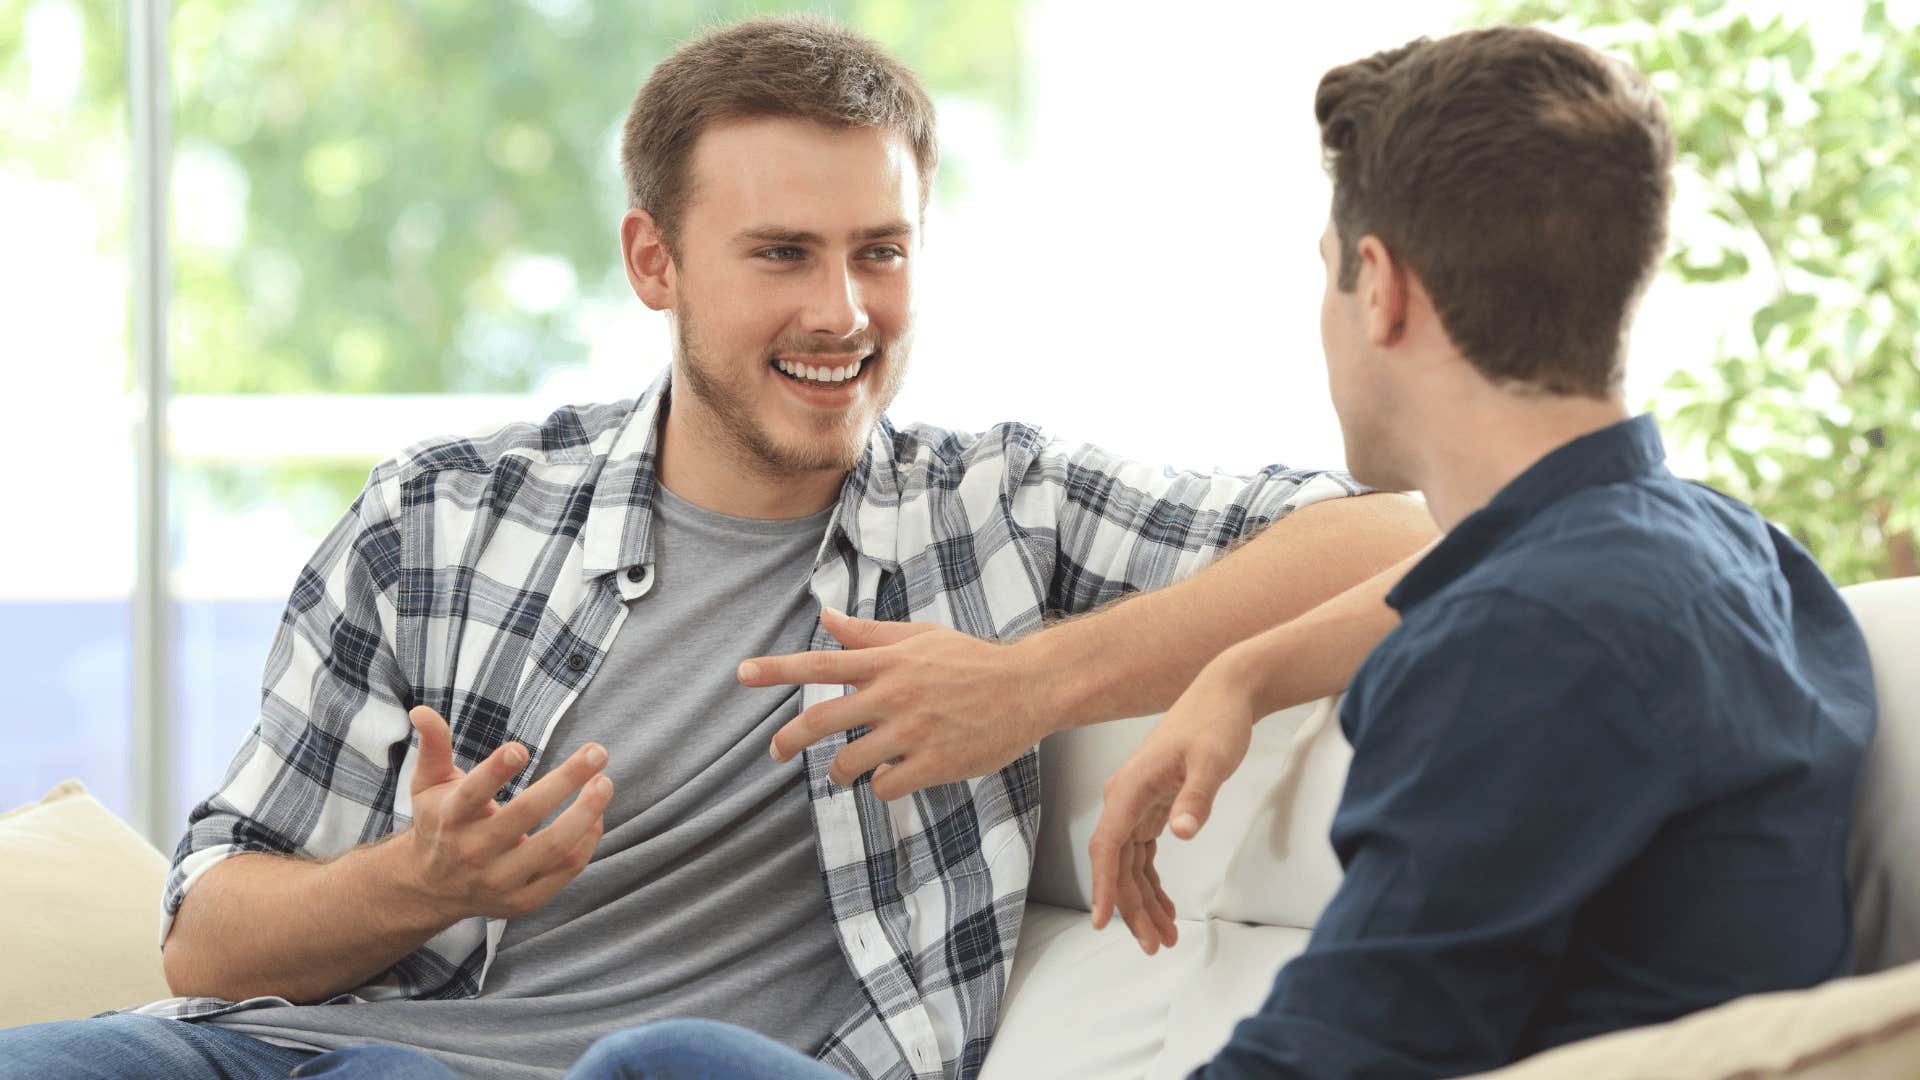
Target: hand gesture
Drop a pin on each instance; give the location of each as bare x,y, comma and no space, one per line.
1173,776
472,856
941,706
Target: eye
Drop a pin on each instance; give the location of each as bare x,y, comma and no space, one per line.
783,253
884,253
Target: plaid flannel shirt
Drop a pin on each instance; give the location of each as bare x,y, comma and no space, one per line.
487,578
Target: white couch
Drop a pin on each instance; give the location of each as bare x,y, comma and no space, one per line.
1251,885
78,917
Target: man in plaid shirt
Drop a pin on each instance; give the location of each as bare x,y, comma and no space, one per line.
365,894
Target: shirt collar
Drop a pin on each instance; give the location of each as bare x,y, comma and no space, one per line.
1617,452
619,528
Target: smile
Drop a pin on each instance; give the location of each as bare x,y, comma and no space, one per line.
821,376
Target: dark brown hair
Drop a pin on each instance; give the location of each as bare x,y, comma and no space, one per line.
795,66
1524,178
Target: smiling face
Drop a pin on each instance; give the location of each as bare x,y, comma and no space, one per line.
792,289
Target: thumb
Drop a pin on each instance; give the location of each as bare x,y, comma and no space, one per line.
435,764
856,633
1195,801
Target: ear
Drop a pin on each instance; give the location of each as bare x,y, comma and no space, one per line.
1384,292
650,268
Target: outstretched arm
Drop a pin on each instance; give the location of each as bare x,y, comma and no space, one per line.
943,706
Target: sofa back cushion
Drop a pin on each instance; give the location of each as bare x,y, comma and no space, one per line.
1883,857
1263,856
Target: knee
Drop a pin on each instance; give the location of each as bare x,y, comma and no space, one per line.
374,1062
662,1049
74,1047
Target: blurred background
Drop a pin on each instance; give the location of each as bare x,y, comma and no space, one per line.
385,221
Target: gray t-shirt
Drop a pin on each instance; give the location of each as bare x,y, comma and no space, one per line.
704,897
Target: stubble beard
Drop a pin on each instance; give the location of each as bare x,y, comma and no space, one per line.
836,442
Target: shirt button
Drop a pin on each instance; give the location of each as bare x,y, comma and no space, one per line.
636,574
577,662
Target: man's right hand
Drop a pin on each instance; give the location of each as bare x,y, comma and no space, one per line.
1171,779
468,855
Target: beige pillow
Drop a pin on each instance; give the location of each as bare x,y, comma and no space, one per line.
79,913
1866,1027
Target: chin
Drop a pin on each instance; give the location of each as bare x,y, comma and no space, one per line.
796,445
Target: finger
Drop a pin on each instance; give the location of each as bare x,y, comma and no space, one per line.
1205,774
864,754
1161,898
1129,901
1158,907
542,888
1104,853
857,633
532,806
473,796
555,847
903,779
823,667
844,713
434,766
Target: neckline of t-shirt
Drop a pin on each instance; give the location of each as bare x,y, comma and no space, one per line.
683,512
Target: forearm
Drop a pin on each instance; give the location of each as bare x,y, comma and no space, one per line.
1315,655
299,929
1136,657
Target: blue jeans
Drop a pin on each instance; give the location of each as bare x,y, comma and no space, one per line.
129,1047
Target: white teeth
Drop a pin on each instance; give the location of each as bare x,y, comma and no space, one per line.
821,374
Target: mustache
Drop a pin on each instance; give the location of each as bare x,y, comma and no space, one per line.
865,347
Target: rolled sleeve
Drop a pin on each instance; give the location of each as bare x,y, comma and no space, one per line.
1121,526
318,773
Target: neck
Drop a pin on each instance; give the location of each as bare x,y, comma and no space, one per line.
699,464
1484,443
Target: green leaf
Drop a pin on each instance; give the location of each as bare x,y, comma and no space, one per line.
1787,310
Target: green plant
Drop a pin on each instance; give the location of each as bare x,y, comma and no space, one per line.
1807,157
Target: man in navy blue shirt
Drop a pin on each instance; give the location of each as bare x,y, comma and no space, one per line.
1603,767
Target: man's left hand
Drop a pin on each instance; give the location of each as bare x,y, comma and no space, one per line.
941,706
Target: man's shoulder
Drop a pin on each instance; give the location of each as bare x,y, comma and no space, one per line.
1635,554
1633,571
928,460
931,446
570,436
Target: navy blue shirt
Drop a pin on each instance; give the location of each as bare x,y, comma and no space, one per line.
1602,775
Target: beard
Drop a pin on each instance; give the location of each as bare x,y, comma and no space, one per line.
727,393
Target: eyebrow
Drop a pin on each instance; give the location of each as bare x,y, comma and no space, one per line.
774,234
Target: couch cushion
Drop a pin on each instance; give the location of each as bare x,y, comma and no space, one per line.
1263,856
1883,857
1867,1026
80,914
1091,1005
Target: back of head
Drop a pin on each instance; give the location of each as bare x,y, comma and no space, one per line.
1524,178
796,67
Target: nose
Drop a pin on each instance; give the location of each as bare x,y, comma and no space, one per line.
834,305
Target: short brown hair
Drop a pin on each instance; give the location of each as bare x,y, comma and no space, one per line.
801,67
1525,179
